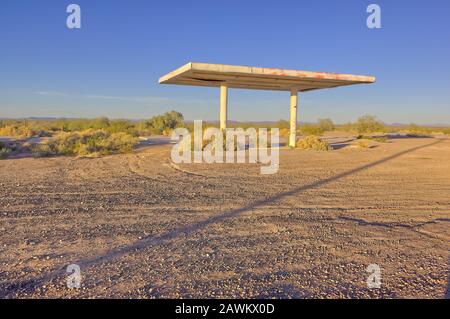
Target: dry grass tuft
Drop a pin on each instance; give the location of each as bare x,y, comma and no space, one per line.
86,143
362,144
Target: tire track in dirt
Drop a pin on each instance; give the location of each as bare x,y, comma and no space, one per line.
148,163
179,169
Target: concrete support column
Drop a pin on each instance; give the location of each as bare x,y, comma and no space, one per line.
293,130
223,106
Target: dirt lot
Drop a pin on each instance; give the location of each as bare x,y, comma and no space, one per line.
139,227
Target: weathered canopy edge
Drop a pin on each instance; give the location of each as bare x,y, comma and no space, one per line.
204,74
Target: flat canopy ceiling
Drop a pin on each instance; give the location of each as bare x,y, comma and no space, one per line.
246,77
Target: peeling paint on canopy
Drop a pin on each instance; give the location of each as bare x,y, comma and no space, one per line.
245,77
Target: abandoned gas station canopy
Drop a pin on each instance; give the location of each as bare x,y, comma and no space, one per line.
246,77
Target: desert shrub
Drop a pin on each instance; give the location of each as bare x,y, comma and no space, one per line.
311,129
368,124
121,126
119,143
16,131
326,125
43,149
285,132
313,143
413,128
282,124
89,142
75,125
46,128
380,139
322,126
141,128
43,133
168,121
348,127
101,123
80,125
4,151
446,131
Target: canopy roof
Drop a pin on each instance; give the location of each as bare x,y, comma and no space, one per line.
246,77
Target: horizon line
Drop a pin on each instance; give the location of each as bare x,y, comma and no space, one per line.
43,118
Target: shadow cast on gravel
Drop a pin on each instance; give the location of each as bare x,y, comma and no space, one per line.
27,285
399,136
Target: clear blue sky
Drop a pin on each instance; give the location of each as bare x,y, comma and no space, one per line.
111,66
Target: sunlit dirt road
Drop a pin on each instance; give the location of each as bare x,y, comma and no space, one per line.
139,226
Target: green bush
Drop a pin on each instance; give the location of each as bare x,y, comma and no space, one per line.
121,126
313,143
368,124
165,123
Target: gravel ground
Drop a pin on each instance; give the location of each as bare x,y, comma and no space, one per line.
140,227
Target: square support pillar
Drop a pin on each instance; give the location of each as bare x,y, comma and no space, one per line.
293,121
223,106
